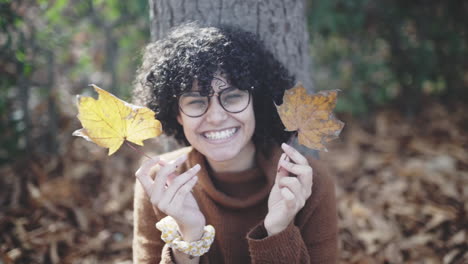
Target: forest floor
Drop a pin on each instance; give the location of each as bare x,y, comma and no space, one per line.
402,195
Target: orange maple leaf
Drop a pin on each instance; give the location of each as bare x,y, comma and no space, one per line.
109,121
311,116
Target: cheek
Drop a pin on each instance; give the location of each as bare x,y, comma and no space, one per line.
250,121
190,127
188,130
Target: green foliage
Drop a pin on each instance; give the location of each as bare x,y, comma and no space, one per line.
381,52
376,52
51,48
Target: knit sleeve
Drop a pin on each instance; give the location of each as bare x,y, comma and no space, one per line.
312,238
147,244
284,247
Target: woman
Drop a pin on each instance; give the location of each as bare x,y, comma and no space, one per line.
215,89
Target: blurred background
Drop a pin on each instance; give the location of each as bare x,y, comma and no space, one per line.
401,163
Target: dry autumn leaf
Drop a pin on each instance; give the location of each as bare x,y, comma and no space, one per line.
109,121
311,116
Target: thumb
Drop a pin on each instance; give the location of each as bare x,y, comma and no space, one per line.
281,172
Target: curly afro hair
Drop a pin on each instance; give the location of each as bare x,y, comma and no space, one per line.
193,52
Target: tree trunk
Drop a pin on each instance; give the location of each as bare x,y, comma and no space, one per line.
280,24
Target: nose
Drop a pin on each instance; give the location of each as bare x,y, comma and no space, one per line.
215,113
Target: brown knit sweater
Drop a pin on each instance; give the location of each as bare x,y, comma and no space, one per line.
236,205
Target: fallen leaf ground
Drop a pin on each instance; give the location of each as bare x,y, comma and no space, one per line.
402,190
402,187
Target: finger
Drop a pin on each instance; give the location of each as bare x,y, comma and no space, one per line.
170,178
143,174
294,168
163,174
288,197
281,172
172,165
293,184
280,159
295,155
304,174
179,197
178,182
163,163
158,186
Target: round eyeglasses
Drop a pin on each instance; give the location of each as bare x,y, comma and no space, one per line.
231,99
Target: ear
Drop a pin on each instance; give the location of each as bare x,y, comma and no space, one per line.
179,119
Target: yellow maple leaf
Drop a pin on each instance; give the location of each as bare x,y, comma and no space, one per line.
109,121
311,116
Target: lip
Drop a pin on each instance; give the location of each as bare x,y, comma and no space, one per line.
218,130
220,141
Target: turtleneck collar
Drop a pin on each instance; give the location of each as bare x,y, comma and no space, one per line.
237,189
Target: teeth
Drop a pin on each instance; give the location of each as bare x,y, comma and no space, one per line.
220,134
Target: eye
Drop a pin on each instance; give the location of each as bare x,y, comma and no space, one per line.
196,102
193,100
232,98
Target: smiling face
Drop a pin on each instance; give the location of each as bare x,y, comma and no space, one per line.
224,138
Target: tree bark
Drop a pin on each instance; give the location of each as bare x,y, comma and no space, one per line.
280,24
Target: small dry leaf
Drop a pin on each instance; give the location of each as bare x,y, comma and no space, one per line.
311,116
109,121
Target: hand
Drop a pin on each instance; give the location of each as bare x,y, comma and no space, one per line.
289,193
171,194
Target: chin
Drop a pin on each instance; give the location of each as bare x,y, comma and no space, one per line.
221,155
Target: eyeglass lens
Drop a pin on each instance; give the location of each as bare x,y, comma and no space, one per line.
231,99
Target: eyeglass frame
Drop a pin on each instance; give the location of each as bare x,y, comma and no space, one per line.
218,95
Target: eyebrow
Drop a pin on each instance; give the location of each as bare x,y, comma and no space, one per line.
198,93
193,93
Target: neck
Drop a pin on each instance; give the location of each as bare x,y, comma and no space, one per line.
242,161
